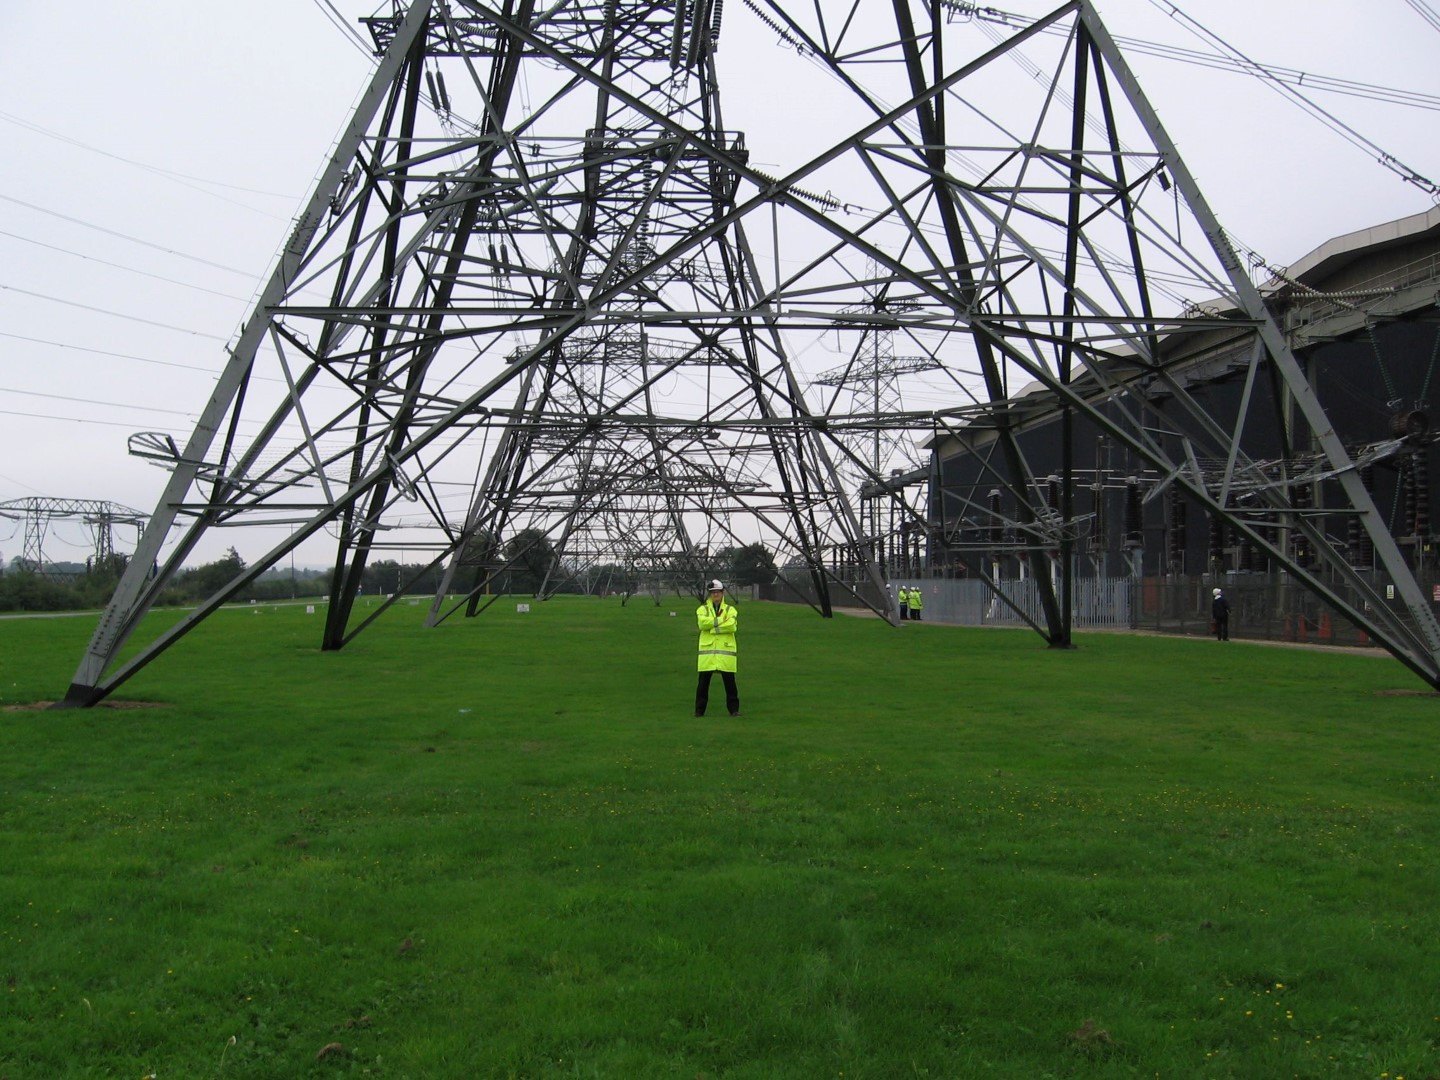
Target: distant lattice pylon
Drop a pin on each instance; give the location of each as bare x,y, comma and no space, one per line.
100,516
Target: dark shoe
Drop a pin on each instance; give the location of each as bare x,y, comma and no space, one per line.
699,716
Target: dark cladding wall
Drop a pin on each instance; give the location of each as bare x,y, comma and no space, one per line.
1364,384
1369,387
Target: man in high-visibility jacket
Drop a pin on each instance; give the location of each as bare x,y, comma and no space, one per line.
902,597
917,603
717,620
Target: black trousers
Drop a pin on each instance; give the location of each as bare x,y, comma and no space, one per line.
702,692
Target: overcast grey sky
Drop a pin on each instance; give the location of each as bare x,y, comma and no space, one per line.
156,151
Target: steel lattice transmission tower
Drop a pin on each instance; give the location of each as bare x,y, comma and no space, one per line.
880,437
100,516
542,290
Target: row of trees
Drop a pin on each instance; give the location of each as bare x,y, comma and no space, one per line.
531,563
523,565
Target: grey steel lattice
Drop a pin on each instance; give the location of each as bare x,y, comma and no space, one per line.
37,512
541,269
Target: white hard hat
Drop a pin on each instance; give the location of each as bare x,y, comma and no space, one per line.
716,585
1215,593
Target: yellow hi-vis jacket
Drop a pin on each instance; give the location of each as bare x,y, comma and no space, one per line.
717,636
917,602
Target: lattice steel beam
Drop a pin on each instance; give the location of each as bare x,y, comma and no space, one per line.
582,305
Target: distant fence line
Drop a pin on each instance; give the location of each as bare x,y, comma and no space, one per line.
1266,607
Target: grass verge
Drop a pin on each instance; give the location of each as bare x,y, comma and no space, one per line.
503,847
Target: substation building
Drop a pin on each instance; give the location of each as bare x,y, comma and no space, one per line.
1362,314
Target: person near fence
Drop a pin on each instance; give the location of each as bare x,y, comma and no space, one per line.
717,620
1220,615
902,597
917,603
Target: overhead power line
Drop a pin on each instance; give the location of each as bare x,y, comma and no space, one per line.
122,266
194,183
211,372
1345,131
123,236
1426,12
353,36
93,401
1308,79
74,420
105,311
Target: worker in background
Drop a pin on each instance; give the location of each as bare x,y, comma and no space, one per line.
902,597
717,620
917,603
1220,615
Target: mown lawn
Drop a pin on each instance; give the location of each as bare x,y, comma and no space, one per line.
503,847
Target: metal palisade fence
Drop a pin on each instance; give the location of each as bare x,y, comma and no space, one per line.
1262,606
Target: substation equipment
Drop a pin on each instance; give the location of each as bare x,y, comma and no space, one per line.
553,283
1360,313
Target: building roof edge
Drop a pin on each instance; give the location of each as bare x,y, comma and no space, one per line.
1339,250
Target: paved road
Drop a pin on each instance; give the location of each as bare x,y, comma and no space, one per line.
95,614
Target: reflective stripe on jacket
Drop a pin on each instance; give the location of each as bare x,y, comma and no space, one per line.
717,636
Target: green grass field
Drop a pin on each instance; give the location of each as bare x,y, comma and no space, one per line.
503,847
